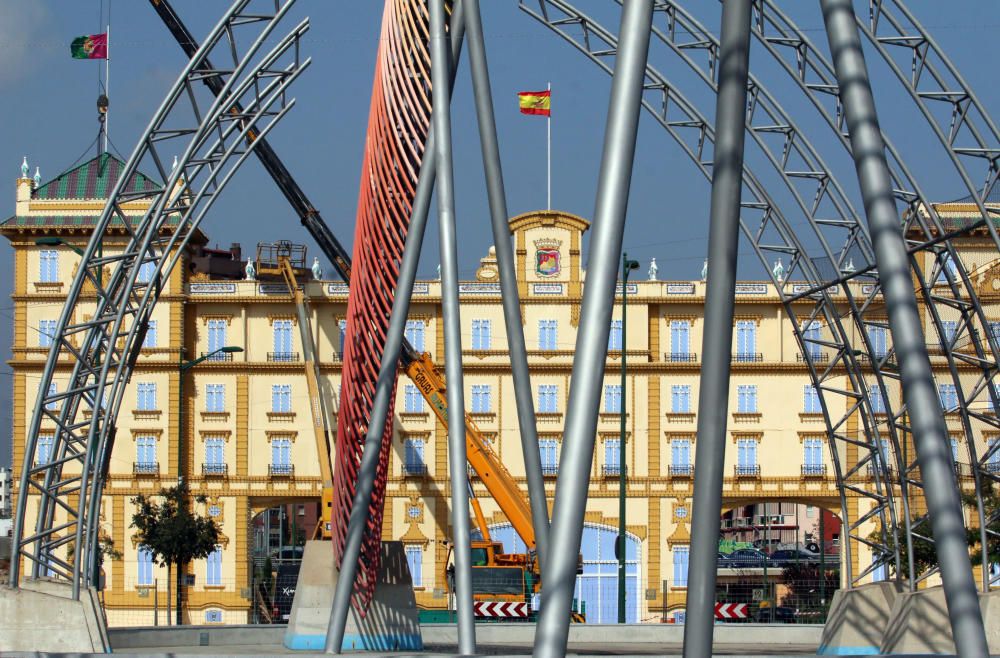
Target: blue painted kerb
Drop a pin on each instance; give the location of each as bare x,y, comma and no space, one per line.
827,650
384,642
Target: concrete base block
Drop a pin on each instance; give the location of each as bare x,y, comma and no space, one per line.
919,623
42,616
391,623
858,619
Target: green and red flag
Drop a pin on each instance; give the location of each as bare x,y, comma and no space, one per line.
94,46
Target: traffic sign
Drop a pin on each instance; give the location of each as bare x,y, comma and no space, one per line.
500,609
730,610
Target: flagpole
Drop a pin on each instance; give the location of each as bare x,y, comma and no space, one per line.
548,141
107,78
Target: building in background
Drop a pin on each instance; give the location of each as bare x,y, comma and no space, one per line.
246,428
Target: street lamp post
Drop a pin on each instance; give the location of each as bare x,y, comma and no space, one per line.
182,367
627,267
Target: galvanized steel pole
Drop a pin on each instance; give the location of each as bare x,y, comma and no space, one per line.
508,279
387,375
595,324
717,339
452,319
930,434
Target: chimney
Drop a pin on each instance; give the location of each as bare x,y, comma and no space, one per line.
236,251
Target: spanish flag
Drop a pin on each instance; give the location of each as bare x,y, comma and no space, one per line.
535,102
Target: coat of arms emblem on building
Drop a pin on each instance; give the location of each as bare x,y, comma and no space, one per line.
547,262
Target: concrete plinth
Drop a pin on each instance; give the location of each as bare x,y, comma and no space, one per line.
919,623
42,616
858,619
391,623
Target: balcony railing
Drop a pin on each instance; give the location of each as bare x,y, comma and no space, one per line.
747,471
611,470
814,470
550,470
681,470
415,470
218,356
815,357
282,357
748,357
281,470
214,469
146,468
680,357
872,466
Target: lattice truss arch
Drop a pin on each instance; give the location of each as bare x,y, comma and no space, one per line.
842,239
213,137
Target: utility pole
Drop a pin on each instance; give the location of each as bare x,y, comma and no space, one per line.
627,267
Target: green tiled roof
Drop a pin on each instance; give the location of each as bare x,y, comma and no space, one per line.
66,220
94,179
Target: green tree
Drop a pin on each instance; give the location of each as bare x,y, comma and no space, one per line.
169,530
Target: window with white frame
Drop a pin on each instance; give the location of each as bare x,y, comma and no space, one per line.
216,339
282,340
948,395
481,402
482,331
680,455
342,325
46,332
213,568
615,336
812,458
612,398
48,266
215,398
413,401
281,455
746,340
993,460
53,390
612,455
746,456
145,454
415,334
146,272
413,454
994,328
949,328
879,338
149,340
876,399
811,333
144,564
548,450
947,267
547,334
680,399
213,616
548,395
810,403
746,399
681,557
680,340
281,398
145,396
954,450
43,451
215,454
414,560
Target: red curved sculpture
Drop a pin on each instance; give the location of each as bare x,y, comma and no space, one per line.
397,134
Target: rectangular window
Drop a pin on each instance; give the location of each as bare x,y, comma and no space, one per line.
482,338
53,390
343,337
876,399
746,399
811,403
811,332
48,261
146,272
993,461
43,452
145,453
481,403
949,327
746,340
413,401
415,334
948,396
215,451
680,399
414,560
612,398
812,458
995,330
681,555
149,340
281,455
213,567
547,399
215,398
548,449
680,453
216,338
46,332
283,340
145,396
746,453
547,330
680,340
612,452
413,453
947,267
954,450
144,575
281,398
879,338
615,336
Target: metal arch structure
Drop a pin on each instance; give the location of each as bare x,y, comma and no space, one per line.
599,45
214,138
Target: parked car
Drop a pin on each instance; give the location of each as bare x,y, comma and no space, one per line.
743,558
786,556
722,561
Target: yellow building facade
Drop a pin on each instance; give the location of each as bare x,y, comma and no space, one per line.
245,427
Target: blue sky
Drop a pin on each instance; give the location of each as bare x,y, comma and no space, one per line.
50,118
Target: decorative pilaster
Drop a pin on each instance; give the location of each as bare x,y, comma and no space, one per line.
242,423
